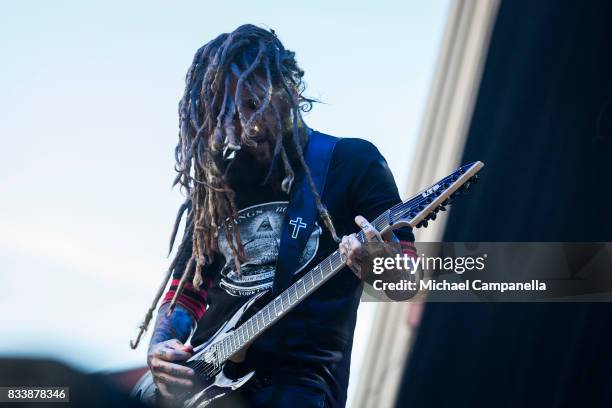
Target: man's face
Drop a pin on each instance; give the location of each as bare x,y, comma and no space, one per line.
265,128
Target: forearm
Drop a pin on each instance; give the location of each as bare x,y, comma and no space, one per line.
178,325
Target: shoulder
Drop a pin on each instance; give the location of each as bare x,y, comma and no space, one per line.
354,145
351,149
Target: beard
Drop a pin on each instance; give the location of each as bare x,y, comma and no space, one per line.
252,164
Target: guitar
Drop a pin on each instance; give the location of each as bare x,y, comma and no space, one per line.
238,331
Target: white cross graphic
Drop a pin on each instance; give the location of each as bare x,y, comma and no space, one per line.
297,224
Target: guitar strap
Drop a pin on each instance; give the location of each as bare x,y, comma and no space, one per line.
302,210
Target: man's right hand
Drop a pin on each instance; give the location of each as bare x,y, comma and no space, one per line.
167,375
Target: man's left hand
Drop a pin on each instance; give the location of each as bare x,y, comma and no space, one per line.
359,257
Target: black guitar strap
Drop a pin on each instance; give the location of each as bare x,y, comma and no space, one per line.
302,211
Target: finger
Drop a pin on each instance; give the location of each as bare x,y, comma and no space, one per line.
345,242
354,245
354,266
177,345
346,247
368,229
341,247
169,354
175,370
163,390
175,381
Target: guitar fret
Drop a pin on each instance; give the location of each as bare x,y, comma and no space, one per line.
226,349
219,352
296,293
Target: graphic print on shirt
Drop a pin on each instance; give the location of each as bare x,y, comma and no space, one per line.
260,230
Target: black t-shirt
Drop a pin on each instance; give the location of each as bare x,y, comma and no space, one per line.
312,343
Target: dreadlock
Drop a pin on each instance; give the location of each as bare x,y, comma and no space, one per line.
260,65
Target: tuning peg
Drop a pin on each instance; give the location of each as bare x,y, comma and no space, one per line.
445,202
474,179
441,208
422,224
432,216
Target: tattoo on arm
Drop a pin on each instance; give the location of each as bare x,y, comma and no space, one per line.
177,326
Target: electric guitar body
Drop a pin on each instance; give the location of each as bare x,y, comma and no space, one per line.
212,382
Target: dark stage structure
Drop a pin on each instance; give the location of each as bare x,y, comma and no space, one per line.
543,125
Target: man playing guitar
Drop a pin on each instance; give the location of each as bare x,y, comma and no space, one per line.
241,148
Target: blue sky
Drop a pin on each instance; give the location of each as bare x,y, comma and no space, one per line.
88,101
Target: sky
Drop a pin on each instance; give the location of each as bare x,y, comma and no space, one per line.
88,108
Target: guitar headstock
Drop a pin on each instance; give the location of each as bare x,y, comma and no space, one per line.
424,206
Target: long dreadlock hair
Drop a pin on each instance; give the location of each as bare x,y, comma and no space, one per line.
259,64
